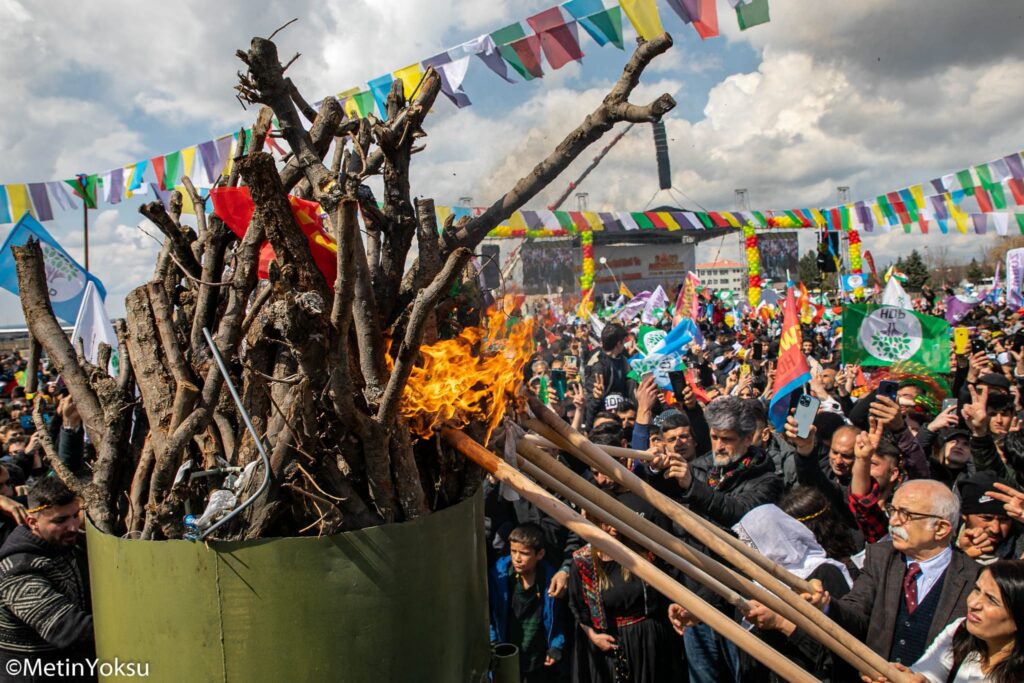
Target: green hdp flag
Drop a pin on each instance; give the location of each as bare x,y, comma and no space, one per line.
886,335
648,338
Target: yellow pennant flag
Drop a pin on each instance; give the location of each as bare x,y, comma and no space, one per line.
643,14
188,157
516,222
918,194
347,98
20,203
959,217
593,220
669,222
186,200
411,77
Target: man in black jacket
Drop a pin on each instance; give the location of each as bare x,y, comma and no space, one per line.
722,486
44,592
607,373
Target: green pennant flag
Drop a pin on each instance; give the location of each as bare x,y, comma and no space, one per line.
998,195
609,23
172,169
1020,221
564,221
364,103
705,219
502,37
642,221
89,194
648,338
753,13
886,207
885,335
984,175
966,182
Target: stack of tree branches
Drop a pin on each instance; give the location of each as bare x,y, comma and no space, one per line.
307,355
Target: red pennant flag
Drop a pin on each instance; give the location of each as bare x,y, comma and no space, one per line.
558,39
984,200
792,371
158,169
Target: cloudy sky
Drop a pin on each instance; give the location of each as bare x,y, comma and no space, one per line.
875,95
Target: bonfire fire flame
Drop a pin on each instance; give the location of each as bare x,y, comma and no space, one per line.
469,378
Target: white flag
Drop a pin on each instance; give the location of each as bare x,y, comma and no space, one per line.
895,295
93,326
655,307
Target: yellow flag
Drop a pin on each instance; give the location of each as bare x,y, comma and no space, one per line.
959,217
819,219
411,77
667,219
516,222
186,200
918,193
593,220
20,203
643,14
442,215
188,157
348,103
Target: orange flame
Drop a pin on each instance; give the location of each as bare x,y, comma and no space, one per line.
469,378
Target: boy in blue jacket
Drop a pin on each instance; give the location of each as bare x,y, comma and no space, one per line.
522,611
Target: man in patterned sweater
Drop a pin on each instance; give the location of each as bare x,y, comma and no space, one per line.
44,591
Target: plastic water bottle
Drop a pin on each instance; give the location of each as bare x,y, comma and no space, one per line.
221,502
192,530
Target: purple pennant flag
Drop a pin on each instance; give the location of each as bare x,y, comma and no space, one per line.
532,220
164,195
980,221
61,195
211,160
223,153
681,10
939,186
1013,162
457,95
939,205
683,220
864,215
957,307
41,201
116,185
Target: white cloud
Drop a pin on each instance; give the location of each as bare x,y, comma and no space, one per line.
874,95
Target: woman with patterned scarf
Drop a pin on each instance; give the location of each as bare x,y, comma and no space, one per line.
624,634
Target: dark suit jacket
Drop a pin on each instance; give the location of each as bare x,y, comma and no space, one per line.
869,610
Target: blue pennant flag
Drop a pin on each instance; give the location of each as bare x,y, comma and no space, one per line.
64,277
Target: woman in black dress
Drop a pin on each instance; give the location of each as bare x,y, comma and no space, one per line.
624,635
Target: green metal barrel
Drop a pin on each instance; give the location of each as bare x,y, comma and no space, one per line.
401,602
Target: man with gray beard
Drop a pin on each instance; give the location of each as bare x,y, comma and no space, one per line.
721,486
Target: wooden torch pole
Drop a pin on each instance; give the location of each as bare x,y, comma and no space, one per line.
563,481
759,568
654,577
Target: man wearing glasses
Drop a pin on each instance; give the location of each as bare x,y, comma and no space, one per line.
914,585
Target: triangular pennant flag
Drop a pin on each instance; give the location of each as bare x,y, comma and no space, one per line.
158,169
704,15
452,74
559,40
84,187
603,25
380,87
58,191
410,77
486,49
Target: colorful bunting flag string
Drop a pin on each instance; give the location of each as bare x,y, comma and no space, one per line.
555,36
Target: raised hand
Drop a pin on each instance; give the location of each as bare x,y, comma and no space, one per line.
1012,500
804,446
976,412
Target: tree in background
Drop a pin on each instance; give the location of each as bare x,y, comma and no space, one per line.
807,269
915,269
975,272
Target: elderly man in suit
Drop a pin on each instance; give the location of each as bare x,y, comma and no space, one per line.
914,585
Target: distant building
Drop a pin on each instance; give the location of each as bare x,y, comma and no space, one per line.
718,275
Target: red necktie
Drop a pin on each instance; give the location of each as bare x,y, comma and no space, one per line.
910,586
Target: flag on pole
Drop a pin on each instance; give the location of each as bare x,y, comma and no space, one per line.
792,371
655,307
895,295
624,291
884,335
687,302
65,278
92,326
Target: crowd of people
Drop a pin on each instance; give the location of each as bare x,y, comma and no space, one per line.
905,512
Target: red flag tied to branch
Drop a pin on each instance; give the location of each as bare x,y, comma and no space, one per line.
792,370
234,206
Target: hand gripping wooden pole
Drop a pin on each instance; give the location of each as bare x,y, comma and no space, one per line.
654,577
759,568
708,571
